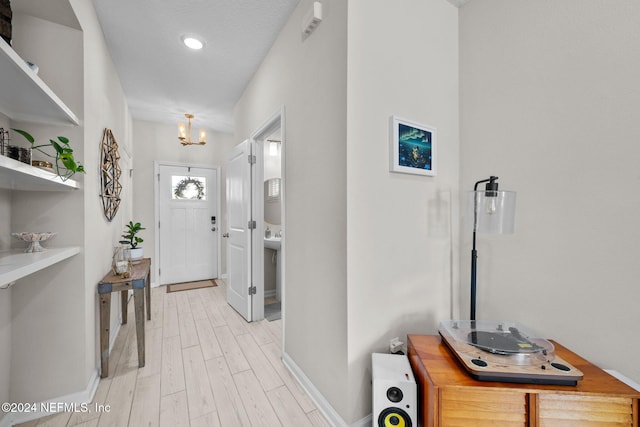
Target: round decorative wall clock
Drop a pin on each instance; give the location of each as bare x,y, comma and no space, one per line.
109,175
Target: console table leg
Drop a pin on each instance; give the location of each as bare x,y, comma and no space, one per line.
124,295
138,300
105,312
148,293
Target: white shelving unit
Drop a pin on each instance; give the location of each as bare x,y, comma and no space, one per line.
27,98
16,264
15,175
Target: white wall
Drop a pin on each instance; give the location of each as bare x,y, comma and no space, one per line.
104,107
5,295
308,77
403,60
47,306
155,141
361,242
549,97
53,312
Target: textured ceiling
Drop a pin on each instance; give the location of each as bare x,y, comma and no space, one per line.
162,79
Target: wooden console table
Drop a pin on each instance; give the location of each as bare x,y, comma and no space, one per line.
138,281
448,396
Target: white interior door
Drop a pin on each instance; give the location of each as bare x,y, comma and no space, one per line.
188,222
239,232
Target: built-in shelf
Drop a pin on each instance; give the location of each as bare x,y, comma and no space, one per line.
25,97
16,264
15,175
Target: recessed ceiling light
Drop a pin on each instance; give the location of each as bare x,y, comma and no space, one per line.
192,42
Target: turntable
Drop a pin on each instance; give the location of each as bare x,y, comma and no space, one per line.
507,352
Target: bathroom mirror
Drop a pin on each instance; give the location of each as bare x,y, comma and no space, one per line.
272,201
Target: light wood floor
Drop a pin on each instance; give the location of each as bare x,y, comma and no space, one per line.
205,366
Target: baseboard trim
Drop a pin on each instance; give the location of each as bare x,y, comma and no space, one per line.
84,396
365,422
323,405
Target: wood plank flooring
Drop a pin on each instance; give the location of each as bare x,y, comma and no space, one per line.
205,367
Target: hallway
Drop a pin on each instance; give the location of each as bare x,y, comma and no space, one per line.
205,366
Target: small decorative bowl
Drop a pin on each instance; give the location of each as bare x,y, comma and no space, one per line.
48,166
34,239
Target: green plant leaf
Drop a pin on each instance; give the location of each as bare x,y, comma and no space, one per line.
27,135
68,161
63,154
56,146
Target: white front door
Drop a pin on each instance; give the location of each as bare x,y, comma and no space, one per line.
239,231
188,223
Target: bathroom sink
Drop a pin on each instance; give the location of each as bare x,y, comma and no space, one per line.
272,243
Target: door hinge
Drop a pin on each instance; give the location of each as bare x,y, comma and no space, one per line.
158,177
251,225
252,159
252,290
159,272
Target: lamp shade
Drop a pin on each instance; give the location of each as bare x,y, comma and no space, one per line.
491,212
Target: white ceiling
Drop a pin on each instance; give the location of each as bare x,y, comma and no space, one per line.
162,79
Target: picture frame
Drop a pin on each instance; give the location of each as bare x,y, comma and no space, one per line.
413,147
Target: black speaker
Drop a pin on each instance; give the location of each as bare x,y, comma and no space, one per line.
394,391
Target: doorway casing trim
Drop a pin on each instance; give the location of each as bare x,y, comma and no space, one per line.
273,123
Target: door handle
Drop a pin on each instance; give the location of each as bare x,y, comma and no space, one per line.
225,235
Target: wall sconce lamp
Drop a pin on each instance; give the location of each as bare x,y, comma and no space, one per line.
184,133
493,212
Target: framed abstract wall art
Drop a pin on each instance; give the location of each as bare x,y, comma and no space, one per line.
413,147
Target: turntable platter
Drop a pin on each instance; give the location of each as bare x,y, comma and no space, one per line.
503,351
502,343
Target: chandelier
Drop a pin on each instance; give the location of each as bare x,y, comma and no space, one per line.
184,133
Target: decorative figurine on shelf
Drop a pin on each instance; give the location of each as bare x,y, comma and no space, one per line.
65,165
6,16
4,141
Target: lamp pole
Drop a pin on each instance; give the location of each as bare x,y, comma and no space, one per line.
491,190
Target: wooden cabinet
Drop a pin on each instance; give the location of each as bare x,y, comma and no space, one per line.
449,397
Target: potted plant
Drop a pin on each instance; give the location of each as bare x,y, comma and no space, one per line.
135,252
65,164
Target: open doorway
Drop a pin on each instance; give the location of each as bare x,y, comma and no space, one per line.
269,200
273,229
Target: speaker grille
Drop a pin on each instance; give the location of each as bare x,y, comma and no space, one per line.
394,417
